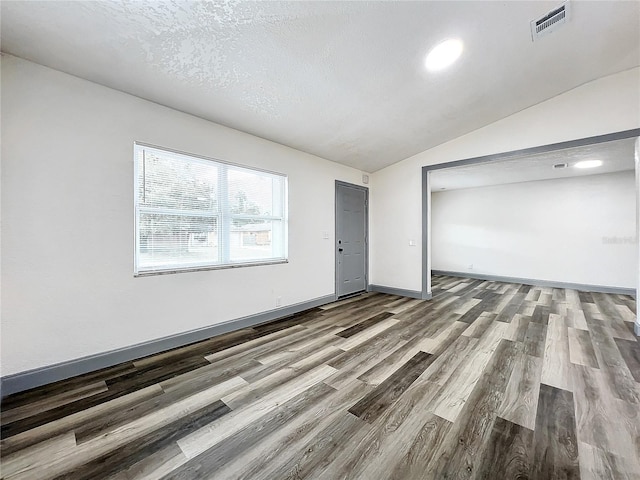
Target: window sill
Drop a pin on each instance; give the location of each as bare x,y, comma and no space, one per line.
207,268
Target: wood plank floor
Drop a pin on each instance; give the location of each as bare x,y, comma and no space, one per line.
488,380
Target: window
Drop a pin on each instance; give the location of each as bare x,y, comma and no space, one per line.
194,213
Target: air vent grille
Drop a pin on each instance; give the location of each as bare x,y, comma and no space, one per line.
550,22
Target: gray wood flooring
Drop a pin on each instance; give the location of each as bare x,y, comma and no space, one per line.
488,380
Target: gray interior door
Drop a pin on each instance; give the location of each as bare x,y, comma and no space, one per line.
351,239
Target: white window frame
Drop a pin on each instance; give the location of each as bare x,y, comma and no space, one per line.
224,216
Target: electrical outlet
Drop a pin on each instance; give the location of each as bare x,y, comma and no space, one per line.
278,301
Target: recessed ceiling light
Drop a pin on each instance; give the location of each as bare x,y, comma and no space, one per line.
443,54
588,164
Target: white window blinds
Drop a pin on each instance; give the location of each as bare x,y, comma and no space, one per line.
194,213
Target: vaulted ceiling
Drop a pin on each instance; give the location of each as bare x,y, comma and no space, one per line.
342,80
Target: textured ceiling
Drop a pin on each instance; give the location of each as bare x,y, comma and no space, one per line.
617,156
342,80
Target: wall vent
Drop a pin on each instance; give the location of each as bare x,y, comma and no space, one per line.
550,22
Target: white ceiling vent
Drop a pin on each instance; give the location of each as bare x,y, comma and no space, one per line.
550,22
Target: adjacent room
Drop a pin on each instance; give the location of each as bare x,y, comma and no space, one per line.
563,218
319,240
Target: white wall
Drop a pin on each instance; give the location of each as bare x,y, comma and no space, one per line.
67,211
563,230
606,105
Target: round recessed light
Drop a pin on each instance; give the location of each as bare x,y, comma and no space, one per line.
588,164
443,54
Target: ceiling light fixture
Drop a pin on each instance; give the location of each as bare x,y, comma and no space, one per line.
443,55
588,164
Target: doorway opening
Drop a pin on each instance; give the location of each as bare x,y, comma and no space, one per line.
521,177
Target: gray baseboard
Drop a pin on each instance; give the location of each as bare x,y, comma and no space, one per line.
540,283
41,376
400,291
